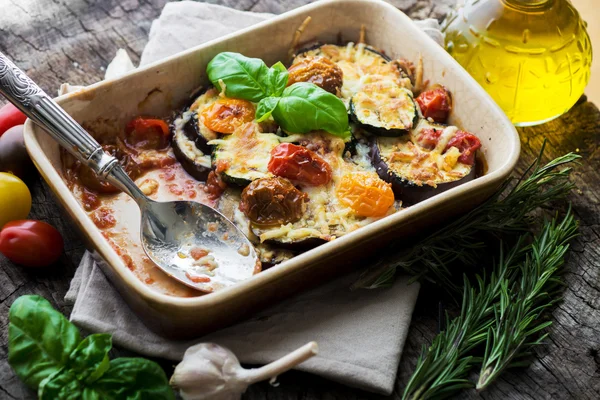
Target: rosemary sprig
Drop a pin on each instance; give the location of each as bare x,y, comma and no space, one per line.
517,316
507,211
442,370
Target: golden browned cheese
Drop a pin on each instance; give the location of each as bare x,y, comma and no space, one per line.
318,70
272,201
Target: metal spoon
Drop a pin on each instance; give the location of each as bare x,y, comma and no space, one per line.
169,230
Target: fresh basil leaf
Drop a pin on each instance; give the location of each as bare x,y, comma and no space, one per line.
305,107
278,79
265,107
62,385
40,339
244,77
131,379
90,359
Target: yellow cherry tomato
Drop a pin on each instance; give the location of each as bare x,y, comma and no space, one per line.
366,194
15,199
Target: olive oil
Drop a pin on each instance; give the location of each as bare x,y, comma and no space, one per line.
532,56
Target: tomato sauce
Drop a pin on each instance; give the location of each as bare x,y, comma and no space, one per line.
90,200
151,164
103,218
175,189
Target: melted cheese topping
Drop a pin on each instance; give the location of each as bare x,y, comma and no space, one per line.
359,63
325,217
246,152
203,101
384,104
421,166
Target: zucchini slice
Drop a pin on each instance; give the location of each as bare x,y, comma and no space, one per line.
417,173
244,155
384,108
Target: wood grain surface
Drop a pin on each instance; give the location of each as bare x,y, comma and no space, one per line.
58,41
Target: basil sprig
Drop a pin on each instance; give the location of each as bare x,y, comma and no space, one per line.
47,352
299,108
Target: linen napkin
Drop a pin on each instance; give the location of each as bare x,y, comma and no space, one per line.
360,334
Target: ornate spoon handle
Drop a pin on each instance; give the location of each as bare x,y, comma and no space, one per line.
16,86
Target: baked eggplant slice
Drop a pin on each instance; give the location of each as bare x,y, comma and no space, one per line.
415,173
384,108
292,244
194,128
244,155
195,161
357,61
191,137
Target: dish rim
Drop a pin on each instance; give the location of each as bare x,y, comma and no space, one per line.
301,261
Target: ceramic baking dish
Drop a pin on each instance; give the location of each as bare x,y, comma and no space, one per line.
159,88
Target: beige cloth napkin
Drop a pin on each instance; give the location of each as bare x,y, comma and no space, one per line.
360,334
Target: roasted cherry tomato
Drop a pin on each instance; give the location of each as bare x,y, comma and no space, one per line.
15,199
435,104
318,70
429,138
366,194
299,164
467,144
147,133
31,243
225,115
214,185
13,154
272,201
10,116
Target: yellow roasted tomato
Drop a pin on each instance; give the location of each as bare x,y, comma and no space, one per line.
15,199
225,115
365,193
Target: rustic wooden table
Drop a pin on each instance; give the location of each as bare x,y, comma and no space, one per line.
72,41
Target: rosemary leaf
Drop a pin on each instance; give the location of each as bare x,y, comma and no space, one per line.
508,211
504,311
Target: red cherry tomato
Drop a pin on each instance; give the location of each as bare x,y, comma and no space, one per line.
31,243
299,164
467,144
147,133
435,104
10,116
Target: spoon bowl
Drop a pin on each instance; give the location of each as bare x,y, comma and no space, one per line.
176,235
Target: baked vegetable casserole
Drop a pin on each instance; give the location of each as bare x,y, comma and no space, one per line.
295,156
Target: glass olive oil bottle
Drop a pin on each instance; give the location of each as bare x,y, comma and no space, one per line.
532,56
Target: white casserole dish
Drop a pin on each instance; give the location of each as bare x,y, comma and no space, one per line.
162,87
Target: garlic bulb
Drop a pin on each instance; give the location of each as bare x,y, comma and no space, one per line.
209,371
